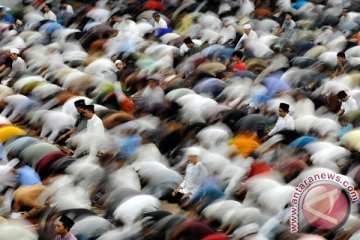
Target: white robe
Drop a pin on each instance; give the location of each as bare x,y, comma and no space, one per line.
283,123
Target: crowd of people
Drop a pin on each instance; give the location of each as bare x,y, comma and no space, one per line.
194,120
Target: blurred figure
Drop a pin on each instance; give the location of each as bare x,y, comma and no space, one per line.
284,122
340,67
287,27
94,123
48,13
346,126
195,174
249,34
304,106
65,7
18,66
153,96
63,227
81,121
158,21
117,21
208,192
192,47
27,176
27,197
5,67
237,64
227,32
6,17
348,103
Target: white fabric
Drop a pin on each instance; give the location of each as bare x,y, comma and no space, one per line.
193,178
283,123
304,107
252,36
126,26
152,96
50,15
161,24
129,210
14,50
349,105
226,34
95,125
18,66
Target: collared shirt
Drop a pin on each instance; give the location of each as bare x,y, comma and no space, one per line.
194,176
50,15
161,24
288,25
283,123
252,36
95,125
349,105
68,236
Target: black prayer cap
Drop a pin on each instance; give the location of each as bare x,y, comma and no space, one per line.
188,40
67,222
90,107
284,106
79,103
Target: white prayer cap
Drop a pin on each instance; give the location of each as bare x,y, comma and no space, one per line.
191,151
118,61
247,26
14,51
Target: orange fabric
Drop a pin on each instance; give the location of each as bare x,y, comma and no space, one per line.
127,105
28,197
356,37
245,143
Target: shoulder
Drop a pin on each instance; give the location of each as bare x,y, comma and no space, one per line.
288,117
72,237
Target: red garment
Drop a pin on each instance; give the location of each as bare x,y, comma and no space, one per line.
194,230
258,168
44,164
154,5
239,66
38,3
215,236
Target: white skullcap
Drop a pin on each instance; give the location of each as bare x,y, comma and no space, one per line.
246,230
191,151
247,26
14,51
118,61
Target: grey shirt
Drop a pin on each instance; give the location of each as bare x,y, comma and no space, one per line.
18,67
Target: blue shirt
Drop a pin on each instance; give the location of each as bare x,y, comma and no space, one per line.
27,176
345,130
129,144
209,188
7,18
